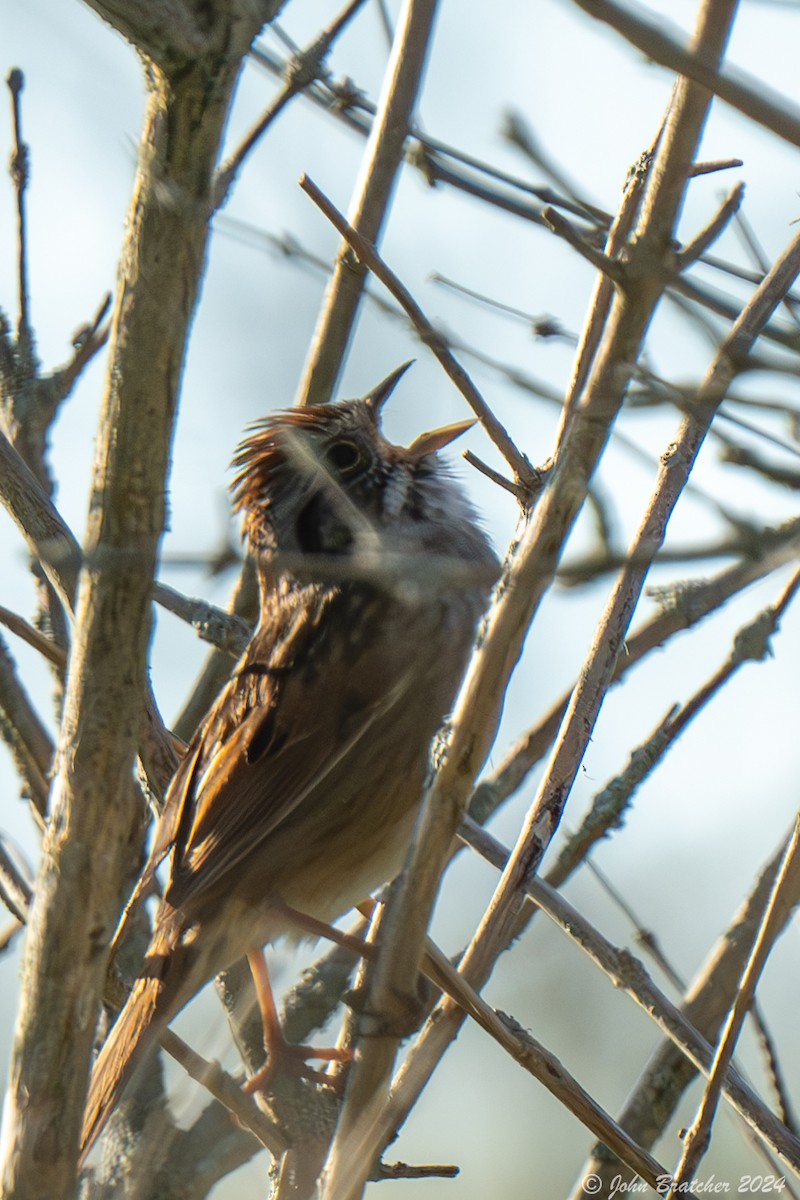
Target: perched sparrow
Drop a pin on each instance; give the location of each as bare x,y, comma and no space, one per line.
297,795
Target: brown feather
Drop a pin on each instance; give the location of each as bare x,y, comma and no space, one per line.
159,993
301,786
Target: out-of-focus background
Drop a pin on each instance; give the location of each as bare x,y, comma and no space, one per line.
720,803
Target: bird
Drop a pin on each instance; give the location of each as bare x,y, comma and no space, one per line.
296,797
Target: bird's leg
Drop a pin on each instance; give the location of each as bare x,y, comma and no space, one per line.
316,928
282,1055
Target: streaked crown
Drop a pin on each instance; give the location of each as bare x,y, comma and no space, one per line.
323,479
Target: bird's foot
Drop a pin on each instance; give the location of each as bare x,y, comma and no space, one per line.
284,1058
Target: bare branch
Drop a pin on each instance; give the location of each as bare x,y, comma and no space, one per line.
437,161
367,254
24,630
162,31
25,735
785,1106
401,1170
683,608
600,303
224,630
222,1087
601,262
369,1119
698,1137
706,1005
731,86
609,636
751,643
303,69
36,517
383,155
706,237
87,342
628,974
721,164
106,688
19,175
15,890
544,1066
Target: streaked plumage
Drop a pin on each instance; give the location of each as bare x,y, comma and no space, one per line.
302,784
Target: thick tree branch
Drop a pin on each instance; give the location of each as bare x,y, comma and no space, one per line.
88,847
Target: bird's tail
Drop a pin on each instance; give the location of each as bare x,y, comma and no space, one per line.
155,999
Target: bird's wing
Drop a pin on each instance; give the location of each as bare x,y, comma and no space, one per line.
298,705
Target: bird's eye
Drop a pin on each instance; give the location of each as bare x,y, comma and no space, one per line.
344,457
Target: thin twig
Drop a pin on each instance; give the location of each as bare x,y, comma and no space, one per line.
16,891
699,1135
383,156
542,1064
224,630
701,242
600,303
719,164
513,488
28,633
476,711
642,936
682,608
401,1170
668,1072
647,939
368,255
724,306
566,230
519,133
533,1057
428,154
747,235
20,170
785,1106
35,515
87,342
25,735
627,973
751,644
754,101
224,1088
436,160
302,70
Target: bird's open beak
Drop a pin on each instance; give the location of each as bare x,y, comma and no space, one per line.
380,394
437,439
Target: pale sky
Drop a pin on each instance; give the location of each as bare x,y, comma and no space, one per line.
717,809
